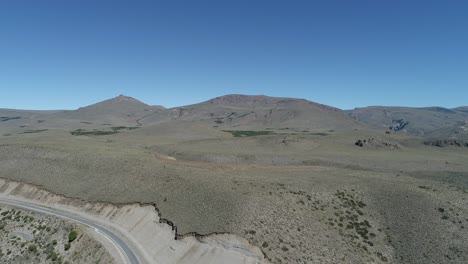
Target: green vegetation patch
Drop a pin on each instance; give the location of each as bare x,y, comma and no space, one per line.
319,134
117,128
6,118
72,236
34,131
81,132
249,133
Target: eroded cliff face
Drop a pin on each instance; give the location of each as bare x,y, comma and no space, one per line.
142,225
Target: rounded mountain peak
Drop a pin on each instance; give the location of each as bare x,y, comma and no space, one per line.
123,98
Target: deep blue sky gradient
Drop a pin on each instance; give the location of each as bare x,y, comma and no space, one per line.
65,54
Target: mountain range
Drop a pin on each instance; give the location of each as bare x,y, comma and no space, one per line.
252,112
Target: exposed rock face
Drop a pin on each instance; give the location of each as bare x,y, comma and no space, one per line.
447,143
398,125
411,120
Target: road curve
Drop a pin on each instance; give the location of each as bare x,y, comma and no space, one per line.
126,252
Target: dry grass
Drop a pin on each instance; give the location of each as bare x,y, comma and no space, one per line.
281,196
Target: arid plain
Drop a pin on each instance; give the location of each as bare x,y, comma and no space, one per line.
304,182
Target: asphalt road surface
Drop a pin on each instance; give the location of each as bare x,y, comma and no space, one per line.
126,252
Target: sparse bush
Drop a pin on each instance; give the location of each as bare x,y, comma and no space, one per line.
359,143
72,236
32,248
52,255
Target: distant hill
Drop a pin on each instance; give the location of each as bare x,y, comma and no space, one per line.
258,111
119,110
462,109
427,121
11,119
457,131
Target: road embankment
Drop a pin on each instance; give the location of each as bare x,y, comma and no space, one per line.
141,228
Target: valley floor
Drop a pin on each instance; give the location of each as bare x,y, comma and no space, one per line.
325,200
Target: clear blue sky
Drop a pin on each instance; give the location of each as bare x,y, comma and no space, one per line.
64,54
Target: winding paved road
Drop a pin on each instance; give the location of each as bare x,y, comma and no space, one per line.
126,252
